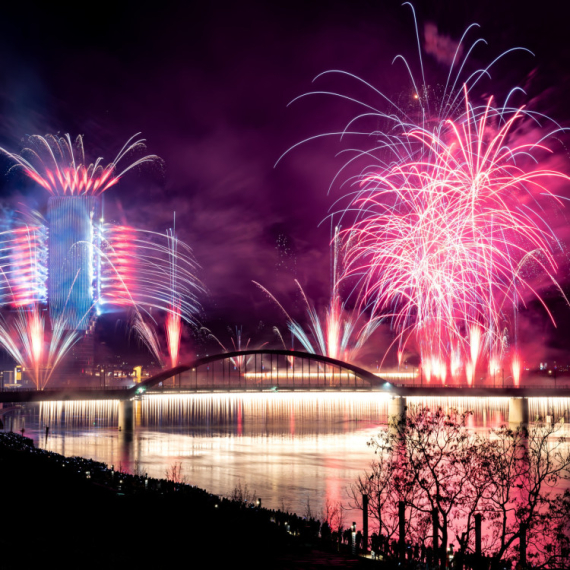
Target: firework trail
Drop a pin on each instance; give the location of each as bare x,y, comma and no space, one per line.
173,318
238,343
34,344
58,165
338,335
36,347
442,242
146,333
239,362
173,335
148,271
516,369
449,218
290,359
23,266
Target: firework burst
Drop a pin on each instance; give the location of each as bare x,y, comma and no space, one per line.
146,271
238,344
58,165
449,217
442,243
150,270
340,334
36,346
23,266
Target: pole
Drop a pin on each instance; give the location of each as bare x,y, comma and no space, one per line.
365,521
435,525
402,529
353,535
478,536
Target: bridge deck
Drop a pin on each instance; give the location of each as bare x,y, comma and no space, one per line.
270,370
22,396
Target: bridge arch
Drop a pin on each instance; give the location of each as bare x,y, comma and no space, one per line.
274,377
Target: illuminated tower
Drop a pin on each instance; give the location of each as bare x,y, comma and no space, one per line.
73,259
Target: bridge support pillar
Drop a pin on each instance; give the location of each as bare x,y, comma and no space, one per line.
518,412
396,411
126,415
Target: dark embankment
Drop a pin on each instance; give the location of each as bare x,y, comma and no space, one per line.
73,512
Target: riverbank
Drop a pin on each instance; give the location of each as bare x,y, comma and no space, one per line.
78,512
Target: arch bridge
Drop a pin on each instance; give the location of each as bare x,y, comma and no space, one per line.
262,370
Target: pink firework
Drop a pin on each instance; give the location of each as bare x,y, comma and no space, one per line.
516,368
173,318
58,165
173,334
474,345
148,271
340,334
448,210
238,344
443,240
23,266
119,281
34,333
34,344
400,356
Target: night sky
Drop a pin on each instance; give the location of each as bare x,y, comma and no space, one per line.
208,84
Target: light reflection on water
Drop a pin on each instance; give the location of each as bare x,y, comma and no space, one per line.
288,448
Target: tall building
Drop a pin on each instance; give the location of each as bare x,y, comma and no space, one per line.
73,259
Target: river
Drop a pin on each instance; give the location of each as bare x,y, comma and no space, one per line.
292,450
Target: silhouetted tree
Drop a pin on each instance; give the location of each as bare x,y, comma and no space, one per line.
433,462
528,468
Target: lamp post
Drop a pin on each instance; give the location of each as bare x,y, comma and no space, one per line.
353,536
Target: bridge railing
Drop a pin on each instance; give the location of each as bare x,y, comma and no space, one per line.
510,386
62,388
265,372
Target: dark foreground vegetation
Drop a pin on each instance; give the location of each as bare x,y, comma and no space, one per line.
78,513
437,494
442,493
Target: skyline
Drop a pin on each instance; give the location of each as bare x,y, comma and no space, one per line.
227,123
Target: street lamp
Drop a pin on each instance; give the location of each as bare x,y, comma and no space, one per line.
353,536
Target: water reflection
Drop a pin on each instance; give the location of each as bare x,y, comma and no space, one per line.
288,448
